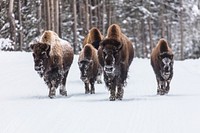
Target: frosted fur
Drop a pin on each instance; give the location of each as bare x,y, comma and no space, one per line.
54,57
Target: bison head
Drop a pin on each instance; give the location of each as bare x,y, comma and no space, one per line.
166,64
111,55
84,66
40,55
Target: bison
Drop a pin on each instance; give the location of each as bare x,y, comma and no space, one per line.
52,61
88,65
162,63
115,55
94,37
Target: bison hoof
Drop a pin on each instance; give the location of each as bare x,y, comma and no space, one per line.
52,93
167,91
112,98
63,92
87,92
52,96
120,94
92,92
159,92
119,97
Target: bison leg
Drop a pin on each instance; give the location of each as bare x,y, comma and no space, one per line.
161,87
99,76
167,87
112,93
52,92
120,92
92,91
87,88
63,91
52,88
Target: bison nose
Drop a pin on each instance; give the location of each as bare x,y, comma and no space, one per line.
167,69
109,69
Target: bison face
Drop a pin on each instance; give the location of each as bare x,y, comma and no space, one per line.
111,55
84,67
109,60
166,65
40,55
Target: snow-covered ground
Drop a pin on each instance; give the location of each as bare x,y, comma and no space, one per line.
26,108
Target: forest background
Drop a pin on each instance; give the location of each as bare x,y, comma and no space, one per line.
143,21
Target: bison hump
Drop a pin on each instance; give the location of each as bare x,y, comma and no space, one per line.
95,34
114,31
163,45
88,51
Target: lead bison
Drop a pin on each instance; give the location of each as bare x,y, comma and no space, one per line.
88,65
162,64
115,56
52,61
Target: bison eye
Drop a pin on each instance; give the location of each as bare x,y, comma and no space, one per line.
104,54
116,53
43,54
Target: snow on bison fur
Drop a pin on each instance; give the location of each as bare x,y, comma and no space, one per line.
88,65
52,59
162,64
115,56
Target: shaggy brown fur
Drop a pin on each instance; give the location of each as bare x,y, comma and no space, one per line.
162,64
94,37
52,61
51,38
115,56
88,65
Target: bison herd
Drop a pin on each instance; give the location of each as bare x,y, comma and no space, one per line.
109,56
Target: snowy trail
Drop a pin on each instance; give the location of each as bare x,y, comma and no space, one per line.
25,106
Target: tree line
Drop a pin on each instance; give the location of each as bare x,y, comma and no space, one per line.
144,22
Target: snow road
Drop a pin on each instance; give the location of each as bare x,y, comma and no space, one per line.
26,108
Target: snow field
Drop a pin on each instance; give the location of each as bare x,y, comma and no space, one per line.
25,106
